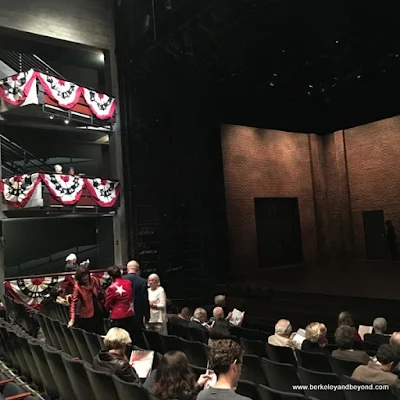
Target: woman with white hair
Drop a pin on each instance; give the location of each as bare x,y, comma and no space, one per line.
158,305
71,263
114,360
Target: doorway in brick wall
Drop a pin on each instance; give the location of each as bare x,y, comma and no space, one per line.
278,231
375,235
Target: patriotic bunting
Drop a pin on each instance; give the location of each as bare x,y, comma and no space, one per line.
19,189
65,188
102,106
15,89
104,191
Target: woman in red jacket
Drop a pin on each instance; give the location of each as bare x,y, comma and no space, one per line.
119,300
88,291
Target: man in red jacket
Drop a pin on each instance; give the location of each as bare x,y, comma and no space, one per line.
119,301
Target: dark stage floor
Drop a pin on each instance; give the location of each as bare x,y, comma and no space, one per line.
371,279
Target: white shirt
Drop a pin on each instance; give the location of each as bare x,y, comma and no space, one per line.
159,315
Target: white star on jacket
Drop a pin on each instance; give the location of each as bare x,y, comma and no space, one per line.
131,307
119,290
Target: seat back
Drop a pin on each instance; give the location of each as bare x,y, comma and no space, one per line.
197,370
248,389
93,343
81,344
252,370
49,384
153,341
101,383
73,350
12,389
308,377
251,334
365,394
267,393
60,336
280,376
343,367
281,354
179,330
255,347
76,374
57,368
52,334
129,391
169,343
313,361
196,352
198,335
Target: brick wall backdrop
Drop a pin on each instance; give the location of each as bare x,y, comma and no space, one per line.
264,163
335,177
87,22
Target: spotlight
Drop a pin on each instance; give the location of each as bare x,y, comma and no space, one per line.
271,84
101,57
168,5
51,116
66,121
358,76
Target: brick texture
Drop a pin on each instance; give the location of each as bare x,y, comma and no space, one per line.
87,22
335,177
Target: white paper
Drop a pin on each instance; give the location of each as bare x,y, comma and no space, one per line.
299,337
363,329
142,361
211,382
236,317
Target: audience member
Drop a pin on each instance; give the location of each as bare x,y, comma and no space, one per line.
71,263
226,358
345,318
283,330
315,341
114,360
140,293
89,292
394,341
119,301
182,318
174,379
199,319
220,330
219,301
379,335
158,303
217,313
71,171
344,337
380,372
58,169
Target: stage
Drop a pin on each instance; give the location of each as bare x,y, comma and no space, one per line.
319,292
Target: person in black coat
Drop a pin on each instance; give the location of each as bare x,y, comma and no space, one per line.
140,300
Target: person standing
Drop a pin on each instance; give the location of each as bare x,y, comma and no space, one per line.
90,295
140,300
158,305
120,302
71,263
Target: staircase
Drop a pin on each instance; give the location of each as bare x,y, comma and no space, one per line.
16,160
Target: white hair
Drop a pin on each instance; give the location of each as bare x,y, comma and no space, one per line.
283,327
71,257
154,277
219,300
380,325
58,168
199,313
117,338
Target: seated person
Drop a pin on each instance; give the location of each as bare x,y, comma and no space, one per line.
173,378
345,318
380,372
114,361
281,338
315,341
199,319
220,330
344,337
182,318
226,359
71,263
217,313
379,336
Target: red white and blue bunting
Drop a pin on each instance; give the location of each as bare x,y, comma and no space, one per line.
104,191
67,189
15,89
19,189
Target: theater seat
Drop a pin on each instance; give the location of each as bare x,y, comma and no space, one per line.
364,394
248,389
129,391
280,376
93,343
255,347
343,367
267,393
73,349
101,383
252,370
12,389
280,354
313,361
81,344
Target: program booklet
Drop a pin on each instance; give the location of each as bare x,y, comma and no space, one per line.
299,337
236,317
142,361
363,329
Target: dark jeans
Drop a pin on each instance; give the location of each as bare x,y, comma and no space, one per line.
94,324
124,323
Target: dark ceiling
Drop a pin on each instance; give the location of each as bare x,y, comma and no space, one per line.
308,66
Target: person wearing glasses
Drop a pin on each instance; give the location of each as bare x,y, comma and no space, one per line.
226,359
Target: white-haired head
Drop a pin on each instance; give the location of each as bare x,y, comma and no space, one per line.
200,314
153,281
71,258
58,168
220,300
283,328
117,338
218,313
380,325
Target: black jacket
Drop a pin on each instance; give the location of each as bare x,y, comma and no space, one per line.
140,295
115,364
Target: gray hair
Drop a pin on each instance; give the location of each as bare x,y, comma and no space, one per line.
283,327
199,313
380,325
219,300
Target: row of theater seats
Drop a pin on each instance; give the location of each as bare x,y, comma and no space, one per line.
10,390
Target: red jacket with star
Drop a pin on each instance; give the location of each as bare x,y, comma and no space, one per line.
119,299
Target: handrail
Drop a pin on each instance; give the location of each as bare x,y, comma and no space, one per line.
14,278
